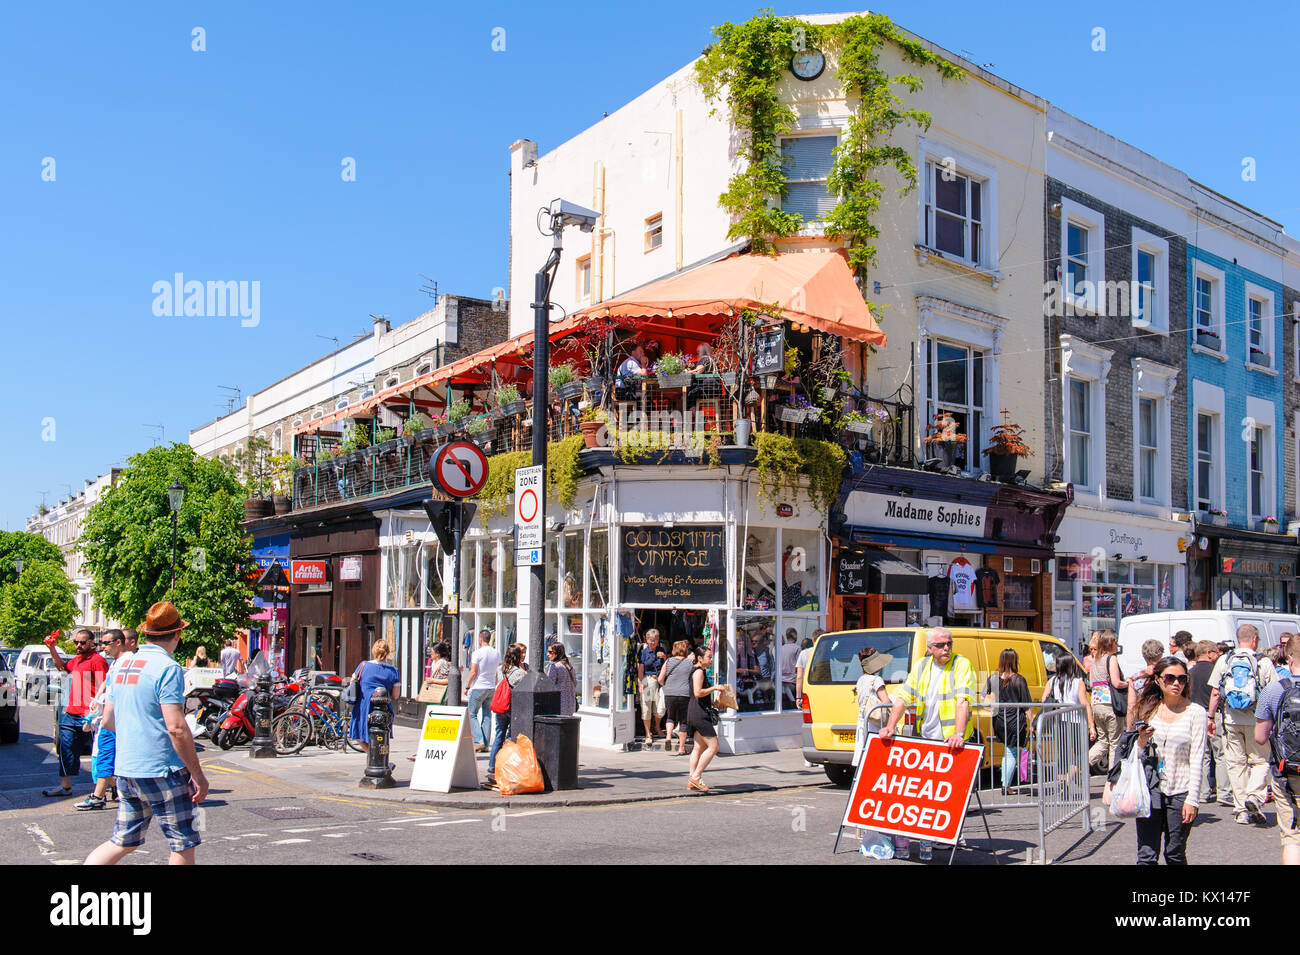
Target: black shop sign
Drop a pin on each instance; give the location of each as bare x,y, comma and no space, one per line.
680,565
851,575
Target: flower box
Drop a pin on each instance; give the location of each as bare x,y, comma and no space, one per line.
1207,340
859,427
1214,520
728,378
792,415
1268,527
569,390
1261,358
682,380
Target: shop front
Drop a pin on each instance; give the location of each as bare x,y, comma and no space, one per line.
268,606
699,557
334,577
1234,569
916,547
411,599
1110,566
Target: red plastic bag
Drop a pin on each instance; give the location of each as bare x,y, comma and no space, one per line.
517,768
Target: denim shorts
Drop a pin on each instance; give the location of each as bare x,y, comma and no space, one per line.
167,797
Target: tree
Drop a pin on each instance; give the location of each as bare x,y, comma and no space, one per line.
30,547
41,600
127,543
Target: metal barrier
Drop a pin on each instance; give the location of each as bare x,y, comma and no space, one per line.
1056,787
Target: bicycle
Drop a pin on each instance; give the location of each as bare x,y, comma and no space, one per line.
310,720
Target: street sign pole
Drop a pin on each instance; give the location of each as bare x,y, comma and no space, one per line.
453,619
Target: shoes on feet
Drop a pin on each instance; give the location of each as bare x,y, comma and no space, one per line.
1255,811
56,792
90,802
1242,818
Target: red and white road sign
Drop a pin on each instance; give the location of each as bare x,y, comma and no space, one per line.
530,495
460,468
913,787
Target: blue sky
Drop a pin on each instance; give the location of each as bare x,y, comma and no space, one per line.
225,165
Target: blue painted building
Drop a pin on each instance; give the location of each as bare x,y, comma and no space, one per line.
1237,340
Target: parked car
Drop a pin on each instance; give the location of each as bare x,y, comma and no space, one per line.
830,710
8,704
9,657
1217,625
37,677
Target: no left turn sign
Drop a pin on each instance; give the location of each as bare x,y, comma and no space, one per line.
460,468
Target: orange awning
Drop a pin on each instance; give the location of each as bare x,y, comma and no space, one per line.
815,288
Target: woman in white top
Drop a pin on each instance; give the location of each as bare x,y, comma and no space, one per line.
1167,717
1067,686
870,692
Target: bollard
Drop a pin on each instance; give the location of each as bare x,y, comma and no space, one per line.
263,747
378,775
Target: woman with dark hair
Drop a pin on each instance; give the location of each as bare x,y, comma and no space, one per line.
1010,725
700,717
1169,733
1109,694
560,672
1067,686
512,671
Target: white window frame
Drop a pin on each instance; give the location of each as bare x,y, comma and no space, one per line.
941,319
825,126
1156,382
1093,299
935,152
582,265
1087,362
1209,400
1159,248
1261,412
1268,316
651,230
1216,279
975,444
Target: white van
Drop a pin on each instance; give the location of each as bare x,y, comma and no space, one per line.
1216,625
35,673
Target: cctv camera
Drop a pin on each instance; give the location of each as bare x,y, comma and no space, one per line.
570,213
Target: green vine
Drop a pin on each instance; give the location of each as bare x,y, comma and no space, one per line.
746,65
783,462
563,474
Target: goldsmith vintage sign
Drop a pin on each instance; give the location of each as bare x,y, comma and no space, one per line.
681,565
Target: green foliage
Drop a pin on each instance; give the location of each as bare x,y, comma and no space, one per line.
355,438
507,394
385,434
282,467
560,375
254,468
43,599
417,422
30,547
457,410
670,363
477,425
127,539
783,462
563,474
746,65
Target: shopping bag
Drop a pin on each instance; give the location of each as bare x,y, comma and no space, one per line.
431,692
1024,765
1131,799
517,768
726,698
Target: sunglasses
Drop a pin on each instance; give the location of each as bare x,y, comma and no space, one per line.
1174,680
942,646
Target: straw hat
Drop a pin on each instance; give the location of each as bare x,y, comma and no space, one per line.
875,661
161,620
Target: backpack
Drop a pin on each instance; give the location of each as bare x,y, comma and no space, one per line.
1285,738
1240,684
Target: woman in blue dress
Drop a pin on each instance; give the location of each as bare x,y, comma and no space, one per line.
373,673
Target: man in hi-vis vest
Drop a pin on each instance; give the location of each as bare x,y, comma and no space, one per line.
942,685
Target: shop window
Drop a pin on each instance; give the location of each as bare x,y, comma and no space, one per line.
468,573
552,558
756,664
600,657
574,559
569,629
598,586
801,561
509,578
1017,592
487,586
758,580
433,588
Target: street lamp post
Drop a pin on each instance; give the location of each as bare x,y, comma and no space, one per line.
175,497
18,566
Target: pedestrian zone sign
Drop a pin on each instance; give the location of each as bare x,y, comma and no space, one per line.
913,787
444,757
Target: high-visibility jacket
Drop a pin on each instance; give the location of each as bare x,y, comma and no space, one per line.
957,683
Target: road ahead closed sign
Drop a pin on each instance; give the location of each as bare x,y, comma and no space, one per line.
913,787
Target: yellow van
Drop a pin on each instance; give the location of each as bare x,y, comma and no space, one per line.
830,706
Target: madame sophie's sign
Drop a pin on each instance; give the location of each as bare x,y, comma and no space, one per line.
913,516
682,565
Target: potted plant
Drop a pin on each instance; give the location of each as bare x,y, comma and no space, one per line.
414,425
477,429
1005,448
671,371
1260,357
282,468
1268,525
564,381
456,413
1207,338
1217,517
593,424
943,439
508,400
861,422
356,440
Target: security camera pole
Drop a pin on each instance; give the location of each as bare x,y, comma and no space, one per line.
536,695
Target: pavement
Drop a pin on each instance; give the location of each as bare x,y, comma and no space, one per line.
604,777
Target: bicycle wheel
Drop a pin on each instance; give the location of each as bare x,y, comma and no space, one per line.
290,733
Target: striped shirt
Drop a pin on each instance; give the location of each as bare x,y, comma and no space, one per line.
1181,745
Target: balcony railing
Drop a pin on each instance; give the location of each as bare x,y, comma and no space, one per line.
690,411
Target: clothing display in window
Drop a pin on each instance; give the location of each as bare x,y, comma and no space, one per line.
962,575
987,588
939,587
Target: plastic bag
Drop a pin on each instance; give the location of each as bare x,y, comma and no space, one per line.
517,768
877,845
1130,798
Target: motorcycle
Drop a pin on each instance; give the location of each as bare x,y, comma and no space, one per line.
213,704
236,727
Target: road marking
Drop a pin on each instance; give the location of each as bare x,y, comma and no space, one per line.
336,835
449,822
42,839
289,842
65,862
530,812
51,758
352,802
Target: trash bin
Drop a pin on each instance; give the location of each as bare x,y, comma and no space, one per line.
557,750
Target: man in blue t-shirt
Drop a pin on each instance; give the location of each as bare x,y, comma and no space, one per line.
650,660
158,771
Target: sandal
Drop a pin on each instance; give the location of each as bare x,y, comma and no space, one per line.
56,792
696,784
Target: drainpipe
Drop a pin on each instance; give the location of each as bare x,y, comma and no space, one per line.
597,243
677,192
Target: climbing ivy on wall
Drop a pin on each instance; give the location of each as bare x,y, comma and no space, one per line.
745,67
